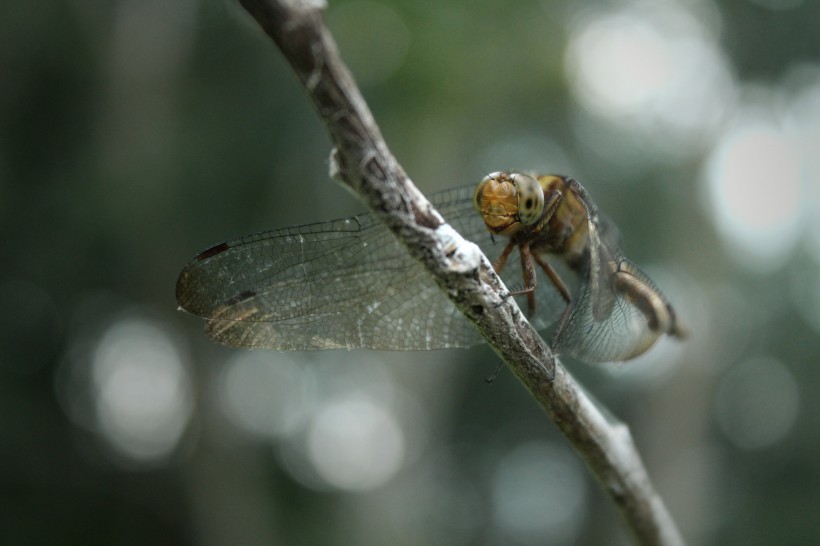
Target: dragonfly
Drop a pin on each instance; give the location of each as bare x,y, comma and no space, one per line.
349,283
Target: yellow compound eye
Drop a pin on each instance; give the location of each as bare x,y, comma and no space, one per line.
480,189
530,198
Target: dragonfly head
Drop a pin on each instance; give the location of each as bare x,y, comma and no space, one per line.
508,202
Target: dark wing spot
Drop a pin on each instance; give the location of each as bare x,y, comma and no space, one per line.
242,296
213,251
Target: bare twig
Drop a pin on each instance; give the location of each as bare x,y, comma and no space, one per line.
362,161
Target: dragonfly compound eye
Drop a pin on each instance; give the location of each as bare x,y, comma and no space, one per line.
479,191
530,198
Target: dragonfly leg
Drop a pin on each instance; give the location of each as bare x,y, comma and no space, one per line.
530,280
527,269
499,264
562,290
551,202
581,193
553,277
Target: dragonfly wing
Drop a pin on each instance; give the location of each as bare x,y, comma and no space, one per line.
411,314
604,254
605,323
341,284
622,335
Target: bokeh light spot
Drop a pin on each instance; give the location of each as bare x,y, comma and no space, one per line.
803,119
539,492
355,444
142,391
656,70
754,184
757,403
619,64
265,393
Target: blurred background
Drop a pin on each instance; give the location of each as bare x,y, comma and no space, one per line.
136,133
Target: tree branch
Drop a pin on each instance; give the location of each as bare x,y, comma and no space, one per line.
362,160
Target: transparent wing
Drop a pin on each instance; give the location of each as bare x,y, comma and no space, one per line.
340,284
623,334
606,325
